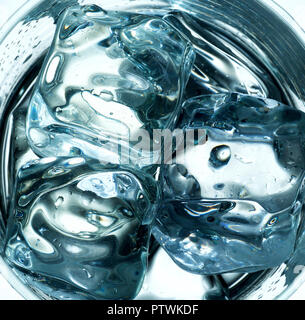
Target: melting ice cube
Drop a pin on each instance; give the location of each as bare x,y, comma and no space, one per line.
81,227
234,202
107,77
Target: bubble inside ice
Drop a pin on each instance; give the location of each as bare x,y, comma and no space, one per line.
107,76
234,202
82,227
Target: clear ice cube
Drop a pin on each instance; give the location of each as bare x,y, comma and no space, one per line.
107,77
81,228
233,203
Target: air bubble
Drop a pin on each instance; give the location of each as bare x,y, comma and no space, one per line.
220,156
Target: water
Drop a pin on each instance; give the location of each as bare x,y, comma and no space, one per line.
221,65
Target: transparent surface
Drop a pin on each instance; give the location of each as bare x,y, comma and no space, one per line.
107,76
270,59
81,228
237,207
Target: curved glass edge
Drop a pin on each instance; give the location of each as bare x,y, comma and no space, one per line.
298,277
15,282
287,17
24,10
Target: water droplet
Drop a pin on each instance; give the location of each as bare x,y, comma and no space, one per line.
27,59
219,186
59,202
127,212
272,221
36,45
220,156
22,256
55,171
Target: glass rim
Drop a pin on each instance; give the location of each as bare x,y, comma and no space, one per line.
25,9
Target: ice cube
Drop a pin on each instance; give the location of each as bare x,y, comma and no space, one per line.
107,77
81,227
233,203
